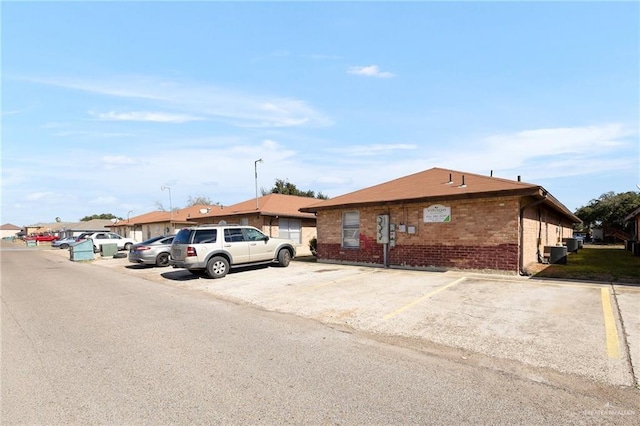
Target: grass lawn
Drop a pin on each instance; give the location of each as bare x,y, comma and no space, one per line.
596,263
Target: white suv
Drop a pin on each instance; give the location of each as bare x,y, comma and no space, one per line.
213,249
100,238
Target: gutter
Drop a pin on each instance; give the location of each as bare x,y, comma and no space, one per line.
521,245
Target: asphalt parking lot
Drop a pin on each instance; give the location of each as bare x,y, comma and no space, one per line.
590,330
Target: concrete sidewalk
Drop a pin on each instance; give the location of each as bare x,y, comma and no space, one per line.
585,329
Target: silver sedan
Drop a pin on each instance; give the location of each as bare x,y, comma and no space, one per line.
154,251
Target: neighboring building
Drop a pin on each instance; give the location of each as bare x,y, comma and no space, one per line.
158,223
9,230
443,219
276,215
635,217
77,228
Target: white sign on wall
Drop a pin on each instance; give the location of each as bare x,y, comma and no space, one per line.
437,213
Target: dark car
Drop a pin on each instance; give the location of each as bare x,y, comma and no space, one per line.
154,251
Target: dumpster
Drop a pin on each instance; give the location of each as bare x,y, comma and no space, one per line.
572,245
557,254
108,250
82,250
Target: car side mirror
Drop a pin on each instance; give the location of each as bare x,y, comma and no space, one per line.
266,238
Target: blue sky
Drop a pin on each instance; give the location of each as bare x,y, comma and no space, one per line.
104,103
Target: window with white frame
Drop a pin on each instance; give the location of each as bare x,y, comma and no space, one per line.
351,229
290,229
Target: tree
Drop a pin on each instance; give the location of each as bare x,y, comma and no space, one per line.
287,188
99,216
201,200
610,210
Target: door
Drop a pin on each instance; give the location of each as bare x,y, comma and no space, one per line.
235,243
259,247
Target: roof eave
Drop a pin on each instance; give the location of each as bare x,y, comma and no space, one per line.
531,191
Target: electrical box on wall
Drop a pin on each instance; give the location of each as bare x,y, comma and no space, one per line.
382,229
392,234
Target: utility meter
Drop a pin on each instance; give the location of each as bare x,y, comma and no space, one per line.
382,229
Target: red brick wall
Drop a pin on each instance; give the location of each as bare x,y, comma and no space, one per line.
482,234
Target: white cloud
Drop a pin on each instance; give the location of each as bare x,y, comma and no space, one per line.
375,149
544,153
37,196
370,71
108,200
158,117
114,161
184,100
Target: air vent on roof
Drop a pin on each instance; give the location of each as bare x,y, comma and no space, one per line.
462,185
450,180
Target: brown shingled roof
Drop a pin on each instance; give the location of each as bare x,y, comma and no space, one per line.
269,205
438,184
179,216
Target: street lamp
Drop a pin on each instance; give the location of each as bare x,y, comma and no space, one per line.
255,168
170,204
128,224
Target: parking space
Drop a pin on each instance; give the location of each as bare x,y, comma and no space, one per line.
589,330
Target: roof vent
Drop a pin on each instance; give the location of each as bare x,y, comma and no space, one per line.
519,180
463,185
450,180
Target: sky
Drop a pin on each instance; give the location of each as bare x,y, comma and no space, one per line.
105,103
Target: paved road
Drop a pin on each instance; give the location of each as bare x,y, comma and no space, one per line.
86,345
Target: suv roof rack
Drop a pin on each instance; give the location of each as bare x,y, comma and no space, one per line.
218,224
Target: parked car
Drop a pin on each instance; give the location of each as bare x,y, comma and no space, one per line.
100,238
42,238
213,249
64,243
154,251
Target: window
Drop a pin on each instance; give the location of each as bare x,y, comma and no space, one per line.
233,235
290,230
205,236
254,235
350,229
244,221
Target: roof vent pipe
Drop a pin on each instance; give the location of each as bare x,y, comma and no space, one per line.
463,184
519,178
450,180
491,173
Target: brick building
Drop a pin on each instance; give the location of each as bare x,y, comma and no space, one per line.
443,219
277,215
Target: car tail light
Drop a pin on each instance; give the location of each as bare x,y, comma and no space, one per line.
142,248
191,251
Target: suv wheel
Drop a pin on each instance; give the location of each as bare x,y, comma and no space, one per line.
284,257
217,267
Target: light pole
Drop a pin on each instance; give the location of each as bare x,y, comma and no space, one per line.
170,204
255,168
128,224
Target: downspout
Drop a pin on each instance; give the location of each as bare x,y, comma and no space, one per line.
521,245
